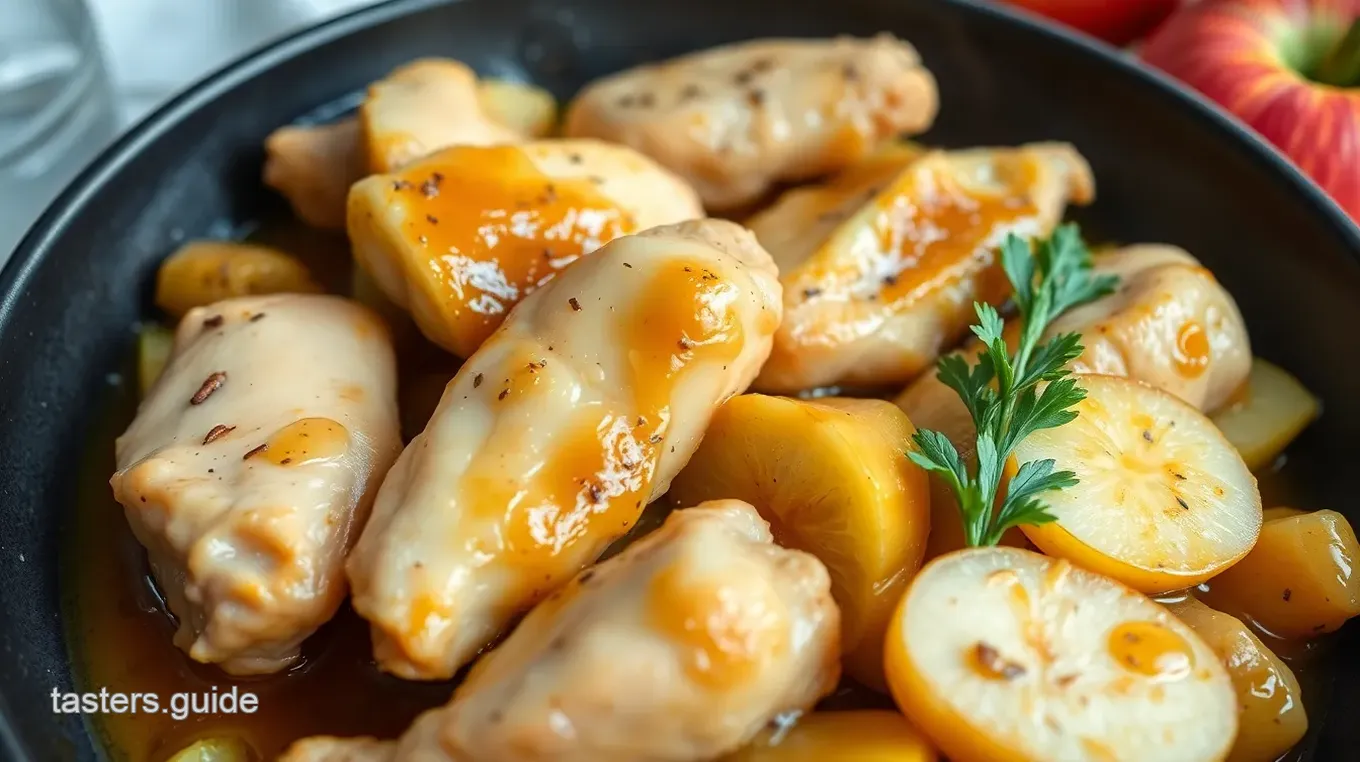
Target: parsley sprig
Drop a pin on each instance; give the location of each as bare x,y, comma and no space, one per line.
1002,391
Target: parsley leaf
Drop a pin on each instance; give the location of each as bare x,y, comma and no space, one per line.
1003,393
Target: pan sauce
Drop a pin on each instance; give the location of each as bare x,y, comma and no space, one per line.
121,640
120,632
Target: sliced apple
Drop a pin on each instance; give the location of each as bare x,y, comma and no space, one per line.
1004,654
832,478
154,345
859,736
215,750
200,273
1273,409
1279,512
1271,717
1163,501
1299,580
524,108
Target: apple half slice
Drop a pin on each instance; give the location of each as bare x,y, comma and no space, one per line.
1005,654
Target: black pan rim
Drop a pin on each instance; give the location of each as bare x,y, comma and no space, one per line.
38,242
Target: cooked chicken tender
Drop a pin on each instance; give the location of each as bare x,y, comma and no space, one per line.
737,119
680,649
875,300
555,435
313,168
460,237
1170,324
419,108
251,466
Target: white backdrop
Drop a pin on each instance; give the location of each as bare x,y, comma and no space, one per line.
155,47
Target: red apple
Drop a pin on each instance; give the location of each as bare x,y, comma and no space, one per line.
1288,68
1115,21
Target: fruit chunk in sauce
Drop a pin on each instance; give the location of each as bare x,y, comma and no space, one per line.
120,634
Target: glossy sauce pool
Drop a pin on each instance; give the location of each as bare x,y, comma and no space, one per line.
120,635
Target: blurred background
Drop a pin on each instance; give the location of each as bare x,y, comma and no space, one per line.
74,73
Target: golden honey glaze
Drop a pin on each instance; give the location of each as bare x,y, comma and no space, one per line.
929,234
926,252
596,478
1151,649
121,640
484,228
120,635
305,441
726,638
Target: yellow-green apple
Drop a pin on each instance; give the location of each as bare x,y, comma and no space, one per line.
1288,68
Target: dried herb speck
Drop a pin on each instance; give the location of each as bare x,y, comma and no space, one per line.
217,432
210,384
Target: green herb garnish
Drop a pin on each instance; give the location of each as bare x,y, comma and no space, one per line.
1002,392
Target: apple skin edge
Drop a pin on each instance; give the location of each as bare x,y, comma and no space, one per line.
1234,52
1117,22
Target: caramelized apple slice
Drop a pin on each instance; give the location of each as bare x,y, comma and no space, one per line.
1298,581
1271,716
832,478
1162,502
1274,409
1004,654
201,273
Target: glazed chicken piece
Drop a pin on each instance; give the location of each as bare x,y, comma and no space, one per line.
736,119
555,435
1170,324
313,168
460,237
680,649
251,466
421,107
875,301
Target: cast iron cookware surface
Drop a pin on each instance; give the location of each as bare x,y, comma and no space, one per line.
1168,169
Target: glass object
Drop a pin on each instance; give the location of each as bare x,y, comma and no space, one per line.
56,106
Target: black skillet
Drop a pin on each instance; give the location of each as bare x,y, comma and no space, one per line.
1168,169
